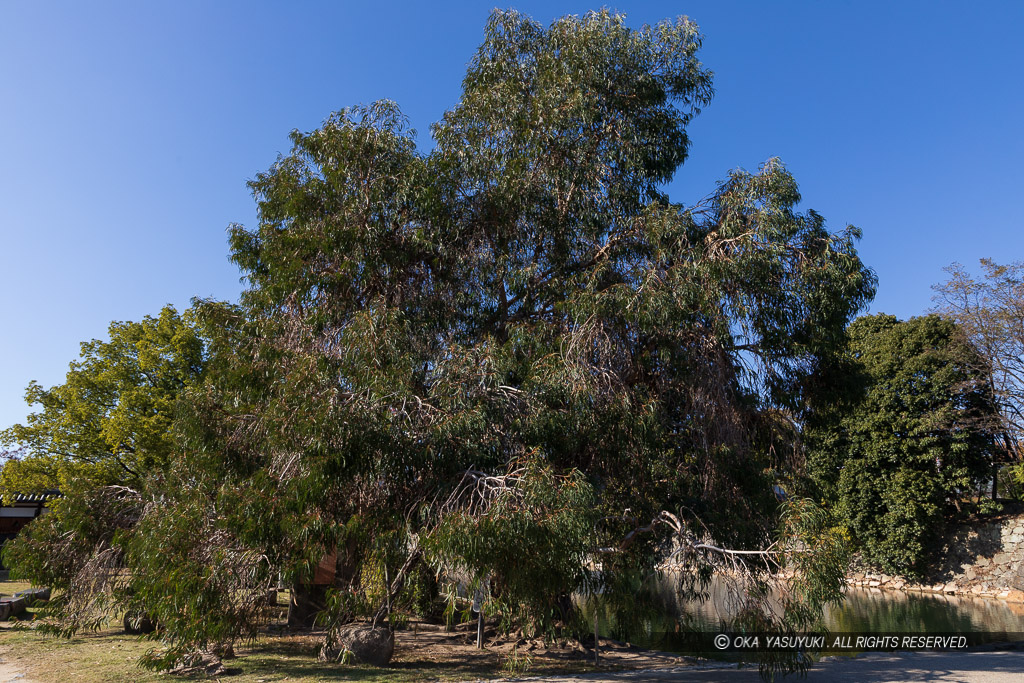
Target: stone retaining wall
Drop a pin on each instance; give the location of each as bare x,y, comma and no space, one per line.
983,560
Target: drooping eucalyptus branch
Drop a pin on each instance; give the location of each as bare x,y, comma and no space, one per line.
477,491
782,586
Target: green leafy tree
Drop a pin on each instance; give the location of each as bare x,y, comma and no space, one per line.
110,422
897,456
101,439
513,343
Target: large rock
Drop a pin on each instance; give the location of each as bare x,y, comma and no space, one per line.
203,663
374,646
138,623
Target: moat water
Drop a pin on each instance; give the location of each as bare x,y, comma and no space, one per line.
864,611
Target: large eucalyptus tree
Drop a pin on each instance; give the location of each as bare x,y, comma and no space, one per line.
512,354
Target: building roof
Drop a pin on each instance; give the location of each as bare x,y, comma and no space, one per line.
36,497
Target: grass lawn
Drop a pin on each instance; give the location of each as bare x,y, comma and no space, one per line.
110,655
11,587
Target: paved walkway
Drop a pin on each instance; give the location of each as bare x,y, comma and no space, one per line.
881,667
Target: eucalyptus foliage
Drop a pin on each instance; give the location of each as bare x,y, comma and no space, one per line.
524,290
527,549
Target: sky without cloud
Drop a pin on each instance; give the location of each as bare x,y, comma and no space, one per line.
128,130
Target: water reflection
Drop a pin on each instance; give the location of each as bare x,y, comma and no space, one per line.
864,611
875,611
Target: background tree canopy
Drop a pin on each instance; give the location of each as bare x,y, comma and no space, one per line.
990,311
512,344
109,423
102,438
913,439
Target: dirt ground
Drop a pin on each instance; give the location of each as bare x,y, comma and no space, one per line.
430,647
430,643
422,652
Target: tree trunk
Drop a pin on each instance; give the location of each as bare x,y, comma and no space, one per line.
306,602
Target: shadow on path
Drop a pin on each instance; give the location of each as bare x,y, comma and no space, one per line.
895,667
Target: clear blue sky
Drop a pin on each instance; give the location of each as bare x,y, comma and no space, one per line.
128,130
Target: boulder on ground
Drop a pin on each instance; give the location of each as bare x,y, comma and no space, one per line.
138,623
203,663
374,646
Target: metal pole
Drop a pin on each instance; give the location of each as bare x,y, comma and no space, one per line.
596,640
480,628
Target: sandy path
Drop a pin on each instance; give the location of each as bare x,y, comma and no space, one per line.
10,674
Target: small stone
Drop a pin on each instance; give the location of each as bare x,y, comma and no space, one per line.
949,588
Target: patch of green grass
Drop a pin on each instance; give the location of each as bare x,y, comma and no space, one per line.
89,658
111,656
12,587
